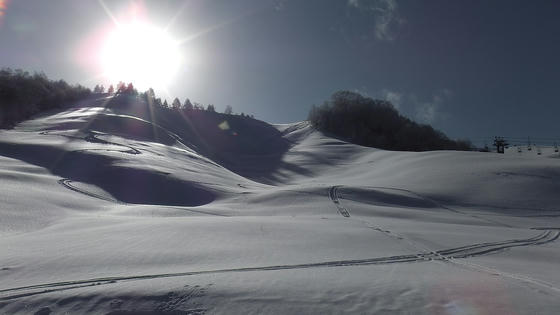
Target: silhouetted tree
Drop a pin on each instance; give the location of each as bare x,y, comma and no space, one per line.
165,104
23,94
111,89
211,108
188,105
157,102
228,110
121,87
149,96
176,104
376,123
130,88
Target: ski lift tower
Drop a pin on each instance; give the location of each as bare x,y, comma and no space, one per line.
500,143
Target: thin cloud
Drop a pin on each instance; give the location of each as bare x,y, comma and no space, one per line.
394,97
362,91
431,111
385,14
278,5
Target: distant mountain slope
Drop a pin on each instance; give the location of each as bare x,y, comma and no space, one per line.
258,152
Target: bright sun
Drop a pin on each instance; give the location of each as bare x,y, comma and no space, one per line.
142,54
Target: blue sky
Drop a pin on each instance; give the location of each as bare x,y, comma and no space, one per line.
473,69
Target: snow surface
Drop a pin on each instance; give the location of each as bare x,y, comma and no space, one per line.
119,210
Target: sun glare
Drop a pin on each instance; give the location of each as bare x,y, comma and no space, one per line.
140,53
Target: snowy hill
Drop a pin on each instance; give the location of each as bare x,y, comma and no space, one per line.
121,208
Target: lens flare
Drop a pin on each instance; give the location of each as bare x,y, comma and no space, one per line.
3,8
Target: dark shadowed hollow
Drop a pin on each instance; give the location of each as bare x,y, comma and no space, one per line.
128,185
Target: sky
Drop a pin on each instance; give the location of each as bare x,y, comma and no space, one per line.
472,69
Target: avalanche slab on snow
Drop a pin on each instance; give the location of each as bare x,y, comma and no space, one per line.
134,210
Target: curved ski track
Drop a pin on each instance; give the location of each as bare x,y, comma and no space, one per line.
334,197
67,183
449,255
544,237
92,138
547,235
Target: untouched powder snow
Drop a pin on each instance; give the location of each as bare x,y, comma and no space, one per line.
126,209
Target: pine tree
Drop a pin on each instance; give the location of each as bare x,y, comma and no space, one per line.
229,110
130,89
150,94
157,102
176,104
121,87
188,105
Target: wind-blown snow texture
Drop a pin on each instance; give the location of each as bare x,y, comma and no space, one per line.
127,210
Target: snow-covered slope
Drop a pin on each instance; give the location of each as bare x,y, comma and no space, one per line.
123,209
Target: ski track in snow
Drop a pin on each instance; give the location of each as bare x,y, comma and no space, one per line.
447,255
67,183
334,197
450,255
91,137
